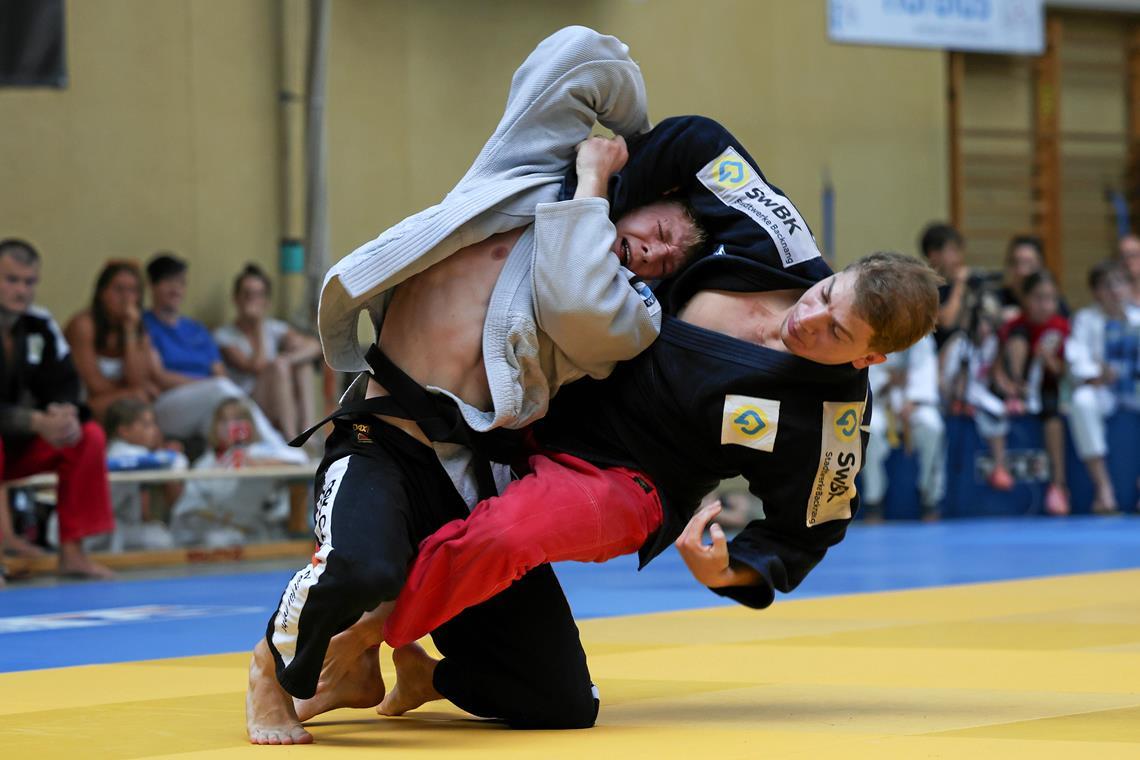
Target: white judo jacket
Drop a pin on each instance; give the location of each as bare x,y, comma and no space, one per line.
563,307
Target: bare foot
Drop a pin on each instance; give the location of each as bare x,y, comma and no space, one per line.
73,562
413,687
269,714
18,546
349,678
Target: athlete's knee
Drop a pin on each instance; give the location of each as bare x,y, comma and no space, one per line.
562,712
368,582
486,538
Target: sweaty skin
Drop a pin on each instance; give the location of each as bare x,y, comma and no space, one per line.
445,305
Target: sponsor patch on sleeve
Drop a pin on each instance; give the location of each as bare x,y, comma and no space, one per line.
750,422
733,180
646,294
840,457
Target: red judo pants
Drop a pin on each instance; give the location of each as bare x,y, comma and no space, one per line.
83,497
565,509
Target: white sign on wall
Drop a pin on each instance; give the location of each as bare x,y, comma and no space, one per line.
993,26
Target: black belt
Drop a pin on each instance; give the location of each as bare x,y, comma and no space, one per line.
436,415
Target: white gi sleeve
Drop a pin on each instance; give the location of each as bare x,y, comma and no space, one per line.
922,372
1085,346
573,79
583,298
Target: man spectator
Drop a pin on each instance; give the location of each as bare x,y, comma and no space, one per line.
43,427
968,309
187,349
1129,251
943,246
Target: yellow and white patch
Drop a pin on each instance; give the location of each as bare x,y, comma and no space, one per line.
731,179
729,170
840,458
749,421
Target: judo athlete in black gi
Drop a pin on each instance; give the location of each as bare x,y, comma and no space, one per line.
762,375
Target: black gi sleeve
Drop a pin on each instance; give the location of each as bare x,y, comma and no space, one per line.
49,378
666,162
56,379
782,559
64,385
782,547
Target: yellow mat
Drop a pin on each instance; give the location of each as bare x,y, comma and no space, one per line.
1029,669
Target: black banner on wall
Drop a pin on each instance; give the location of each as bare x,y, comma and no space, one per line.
32,44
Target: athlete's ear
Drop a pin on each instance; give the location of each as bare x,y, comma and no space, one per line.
866,361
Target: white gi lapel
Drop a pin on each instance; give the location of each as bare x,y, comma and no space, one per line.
840,457
733,180
750,422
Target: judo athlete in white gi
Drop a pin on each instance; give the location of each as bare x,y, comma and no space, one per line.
526,293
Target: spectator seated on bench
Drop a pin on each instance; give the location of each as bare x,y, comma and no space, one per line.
190,373
232,511
1103,354
135,443
267,358
1028,376
43,425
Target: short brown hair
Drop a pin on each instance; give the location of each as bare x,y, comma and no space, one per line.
123,412
897,296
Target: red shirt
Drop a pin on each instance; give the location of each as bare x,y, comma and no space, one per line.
1035,332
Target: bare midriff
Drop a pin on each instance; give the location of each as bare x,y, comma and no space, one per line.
433,327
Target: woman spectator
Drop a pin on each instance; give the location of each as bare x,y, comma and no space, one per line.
110,348
1024,256
1103,355
266,357
1029,374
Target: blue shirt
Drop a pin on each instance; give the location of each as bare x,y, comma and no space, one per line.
186,347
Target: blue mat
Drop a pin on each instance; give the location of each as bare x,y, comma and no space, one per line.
123,621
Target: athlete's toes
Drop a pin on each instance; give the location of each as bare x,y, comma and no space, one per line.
299,736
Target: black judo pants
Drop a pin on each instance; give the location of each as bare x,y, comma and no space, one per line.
379,492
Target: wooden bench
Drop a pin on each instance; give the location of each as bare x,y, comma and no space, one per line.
296,475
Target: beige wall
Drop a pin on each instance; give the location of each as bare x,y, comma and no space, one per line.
163,139
168,134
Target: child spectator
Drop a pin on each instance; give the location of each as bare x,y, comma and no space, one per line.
1103,353
1028,377
267,358
135,443
231,511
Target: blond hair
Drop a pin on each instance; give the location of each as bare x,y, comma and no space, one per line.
897,296
244,413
